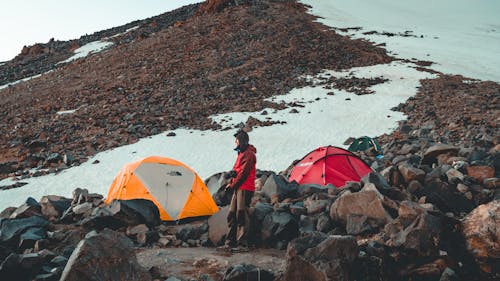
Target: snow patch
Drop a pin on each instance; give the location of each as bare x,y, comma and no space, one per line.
87,49
460,36
125,32
23,80
66,112
324,119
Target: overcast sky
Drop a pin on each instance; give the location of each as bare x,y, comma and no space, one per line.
26,22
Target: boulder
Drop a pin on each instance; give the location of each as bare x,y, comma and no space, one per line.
243,272
368,203
217,226
215,182
124,213
320,257
7,212
54,206
30,236
480,173
279,227
28,209
380,183
189,231
22,267
261,210
410,173
84,209
420,237
277,186
431,154
11,229
440,194
94,259
481,229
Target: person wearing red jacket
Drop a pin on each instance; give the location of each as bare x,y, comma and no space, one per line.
243,187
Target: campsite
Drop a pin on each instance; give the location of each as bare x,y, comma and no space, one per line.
372,162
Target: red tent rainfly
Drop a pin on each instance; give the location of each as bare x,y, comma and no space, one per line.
329,164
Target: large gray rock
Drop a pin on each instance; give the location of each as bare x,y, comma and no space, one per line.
279,227
124,213
421,236
94,259
28,209
261,210
243,272
11,229
215,182
22,267
319,257
442,196
54,206
30,236
368,202
278,187
217,226
481,229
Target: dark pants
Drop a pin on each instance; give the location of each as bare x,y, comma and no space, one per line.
238,218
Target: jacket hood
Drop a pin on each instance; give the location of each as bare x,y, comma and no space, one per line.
252,148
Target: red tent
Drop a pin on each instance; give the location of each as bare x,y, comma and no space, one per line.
329,164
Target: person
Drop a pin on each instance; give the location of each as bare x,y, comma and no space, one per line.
243,186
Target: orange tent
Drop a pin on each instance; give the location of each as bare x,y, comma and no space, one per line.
173,187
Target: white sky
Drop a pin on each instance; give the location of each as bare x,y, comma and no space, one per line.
332,119
26,22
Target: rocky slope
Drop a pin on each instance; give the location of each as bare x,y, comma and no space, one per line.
210,63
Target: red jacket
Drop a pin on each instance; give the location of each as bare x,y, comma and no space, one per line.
245,169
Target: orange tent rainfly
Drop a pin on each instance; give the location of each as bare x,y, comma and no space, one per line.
173,187
329,164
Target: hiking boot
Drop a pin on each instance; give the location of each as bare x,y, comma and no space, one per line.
239,249
227,245
225,248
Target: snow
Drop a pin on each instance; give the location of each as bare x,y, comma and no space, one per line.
66,112
461,36
125,32
467,43
22,80
324,119
87,49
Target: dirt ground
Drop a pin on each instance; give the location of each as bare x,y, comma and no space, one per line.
193,262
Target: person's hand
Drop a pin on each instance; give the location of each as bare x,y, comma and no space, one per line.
230,174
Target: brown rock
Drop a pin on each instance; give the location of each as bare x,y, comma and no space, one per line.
431,154
410,173
321,258
480,173
481,229
364,203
